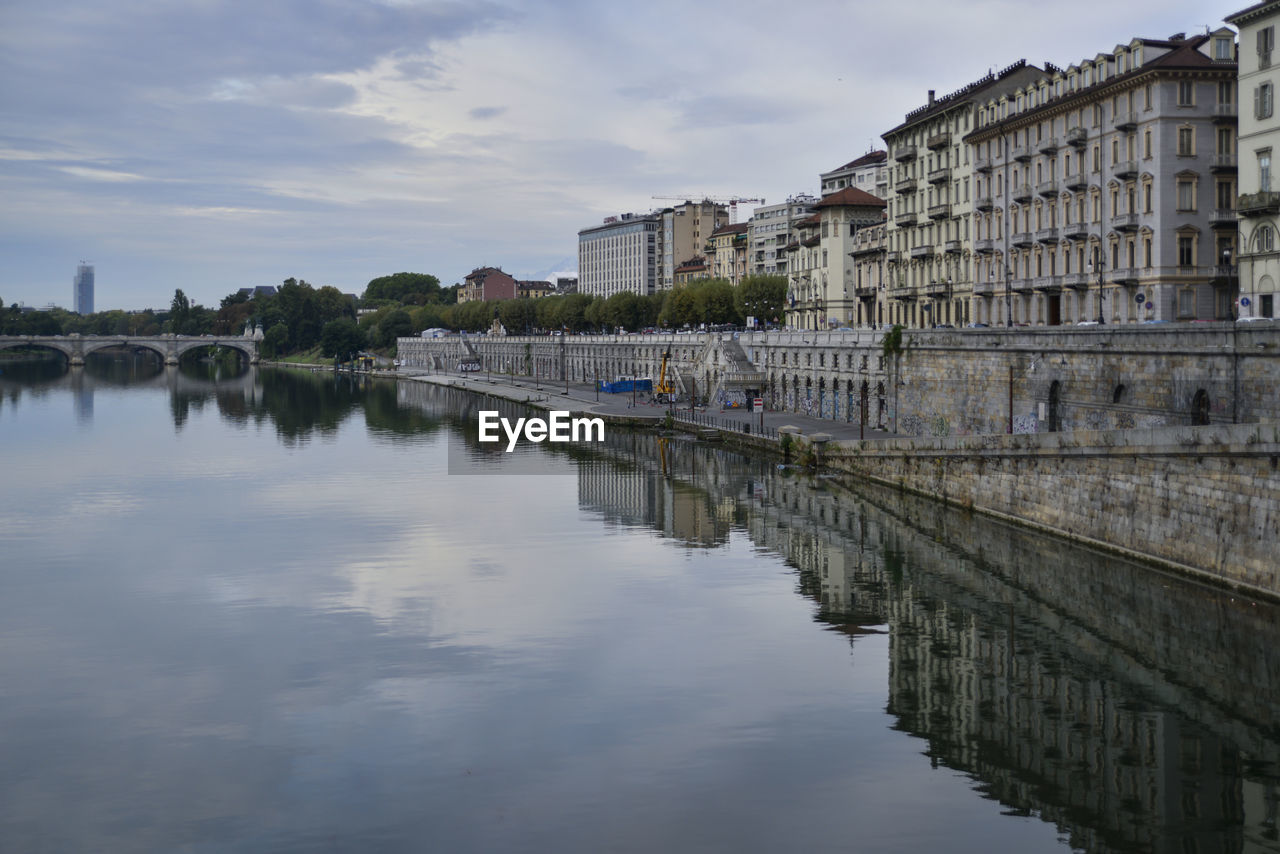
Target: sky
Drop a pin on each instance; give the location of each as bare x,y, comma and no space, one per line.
210,145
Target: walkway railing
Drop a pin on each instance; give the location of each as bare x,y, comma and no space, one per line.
729,425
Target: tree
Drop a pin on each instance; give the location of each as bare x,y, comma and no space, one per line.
341,338
275,341
403,287
179,313
761,297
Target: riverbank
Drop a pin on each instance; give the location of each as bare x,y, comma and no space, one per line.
1200,501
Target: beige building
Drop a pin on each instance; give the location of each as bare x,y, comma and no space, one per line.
728,251
685,230
929,260
619,255
1105,190
1258,260
821,292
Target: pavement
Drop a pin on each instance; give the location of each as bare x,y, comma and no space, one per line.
586,399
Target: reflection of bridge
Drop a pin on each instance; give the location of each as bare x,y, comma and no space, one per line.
170,348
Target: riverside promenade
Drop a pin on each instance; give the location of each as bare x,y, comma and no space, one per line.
585,399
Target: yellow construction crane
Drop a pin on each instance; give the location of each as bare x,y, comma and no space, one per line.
731,201
665,389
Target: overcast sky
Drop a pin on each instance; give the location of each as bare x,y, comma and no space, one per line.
214,144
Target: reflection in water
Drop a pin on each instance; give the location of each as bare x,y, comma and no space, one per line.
218,634
1132,710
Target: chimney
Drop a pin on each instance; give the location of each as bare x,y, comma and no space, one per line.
930,97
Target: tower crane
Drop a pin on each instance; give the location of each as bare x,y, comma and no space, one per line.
731,201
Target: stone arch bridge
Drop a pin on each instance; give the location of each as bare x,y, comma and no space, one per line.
170,348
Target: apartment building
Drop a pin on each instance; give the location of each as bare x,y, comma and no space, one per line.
727,250
620,255
1258,259
773,228
487,283
928,239
685,230
1105,191
869,173
821,292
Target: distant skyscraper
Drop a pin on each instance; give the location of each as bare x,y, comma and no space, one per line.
84,289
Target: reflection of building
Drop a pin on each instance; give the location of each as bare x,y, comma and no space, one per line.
83,293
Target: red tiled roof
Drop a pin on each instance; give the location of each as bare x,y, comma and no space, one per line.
851,197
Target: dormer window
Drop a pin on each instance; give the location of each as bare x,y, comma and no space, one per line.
1222,49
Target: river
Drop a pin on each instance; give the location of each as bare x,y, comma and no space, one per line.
281,611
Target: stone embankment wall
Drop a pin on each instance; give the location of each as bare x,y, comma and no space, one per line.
1205,500
943,382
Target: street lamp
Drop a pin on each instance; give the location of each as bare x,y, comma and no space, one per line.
1226,271
1096,264
1008,297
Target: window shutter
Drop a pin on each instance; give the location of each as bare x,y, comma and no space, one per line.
1257,102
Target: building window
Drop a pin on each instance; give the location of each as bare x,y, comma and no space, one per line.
1263,98
1264,171
1146,97
1266,239
1146,144
1222,49
1226,196
1186,302
1186,194
1146,252
1186,93
1186,250
1266,43
1186,142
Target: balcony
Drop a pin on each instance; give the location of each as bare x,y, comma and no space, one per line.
982,288
924,251
904,153
1126,121
941,175
1077,137
1223,113
983,203
1023,286
865,293
1125,222
1222,216
984,245
1048,145
1075,231
906,218
1022,193
1048,284
1123,276
1076,181
939,140
1022,239
867,248
1125,168
1223,274
1223,163
894,257
1022,153
937,289
1078,281
902,292
906,185
1048,235
940,211
1256,204
982,164
1047,189
951,247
